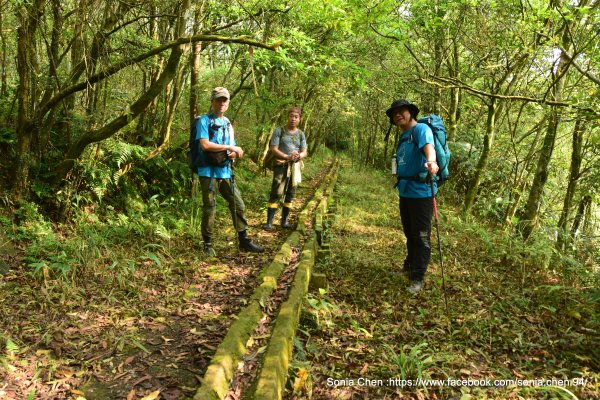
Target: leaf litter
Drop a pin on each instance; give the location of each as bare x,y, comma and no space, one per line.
151,338
505,322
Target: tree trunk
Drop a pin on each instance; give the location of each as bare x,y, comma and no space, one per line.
77,54
488,141
532,208
519,183
28,17
148,118
454,95
541,175
121,121
3,53
195,64
437,91
41,141
574,173
584,205
171,100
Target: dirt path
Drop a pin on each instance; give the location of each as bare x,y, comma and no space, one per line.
154,335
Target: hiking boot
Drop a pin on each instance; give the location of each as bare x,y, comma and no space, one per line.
415,287
209,251
248,245
270,214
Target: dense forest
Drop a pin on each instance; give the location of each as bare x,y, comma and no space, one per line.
97,99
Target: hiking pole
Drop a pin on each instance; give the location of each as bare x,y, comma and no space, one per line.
232,188
437,229
288,178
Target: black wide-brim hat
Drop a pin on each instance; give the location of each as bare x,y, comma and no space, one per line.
413,109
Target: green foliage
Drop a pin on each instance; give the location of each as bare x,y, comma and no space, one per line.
7,137
323,310
410,362
32,225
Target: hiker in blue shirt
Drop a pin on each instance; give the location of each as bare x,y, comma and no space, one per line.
288,144
415,155
218,151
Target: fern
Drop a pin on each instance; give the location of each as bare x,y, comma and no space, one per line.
121,153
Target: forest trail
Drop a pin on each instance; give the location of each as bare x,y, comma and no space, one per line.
509,320
511,315
151,331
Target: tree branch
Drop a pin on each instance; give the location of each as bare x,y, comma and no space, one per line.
587,74
134,60
448,83
122,120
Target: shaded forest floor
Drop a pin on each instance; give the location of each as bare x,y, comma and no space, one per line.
139,308
514,313
126,306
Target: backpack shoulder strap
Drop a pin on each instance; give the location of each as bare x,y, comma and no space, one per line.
231,133
409,138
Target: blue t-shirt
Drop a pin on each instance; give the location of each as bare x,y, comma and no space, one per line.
411,160
219,128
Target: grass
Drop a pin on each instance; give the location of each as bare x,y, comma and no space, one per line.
516,311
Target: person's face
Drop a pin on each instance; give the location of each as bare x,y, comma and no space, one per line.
293,119
220,105
401,117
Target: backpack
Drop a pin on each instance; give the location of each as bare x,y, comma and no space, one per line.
211,159
194,148
270,161
442,150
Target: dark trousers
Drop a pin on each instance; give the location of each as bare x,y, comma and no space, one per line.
209,205
416,222
280,180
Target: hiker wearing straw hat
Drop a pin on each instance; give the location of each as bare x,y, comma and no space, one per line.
415,154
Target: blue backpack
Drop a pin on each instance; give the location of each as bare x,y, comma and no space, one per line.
442,151
194,159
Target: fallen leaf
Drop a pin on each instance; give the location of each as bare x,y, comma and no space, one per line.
131,395
518,375
193,331
142,379
300,379
152,396
363,370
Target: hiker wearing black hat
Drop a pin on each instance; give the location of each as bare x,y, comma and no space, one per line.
217,152
415,158
288,144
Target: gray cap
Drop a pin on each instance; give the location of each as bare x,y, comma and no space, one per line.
219,92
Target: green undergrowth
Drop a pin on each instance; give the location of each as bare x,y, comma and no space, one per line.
112,237
522,321
112,267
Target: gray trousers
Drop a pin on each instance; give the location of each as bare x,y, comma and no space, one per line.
209,205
